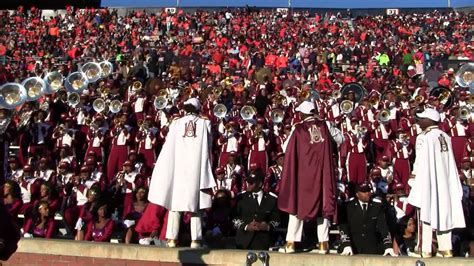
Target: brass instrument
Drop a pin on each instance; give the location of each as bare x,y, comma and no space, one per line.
346,106
304,95
12,95
160,102
219,111
104,91
465,76
99,105
383,116
53,82
5,119
228,128
76,82
362,130
336,94
137,85
419,99
115,106
464,113
34,88
247,112
73,99
373,100
162,92
106,69
92,71
217,92
277,115
443,95
470,99
358,90
280,100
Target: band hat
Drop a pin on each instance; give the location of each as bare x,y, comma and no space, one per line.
194,102
306,108
429,113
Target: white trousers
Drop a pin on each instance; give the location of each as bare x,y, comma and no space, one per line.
443,237
295,229
174,219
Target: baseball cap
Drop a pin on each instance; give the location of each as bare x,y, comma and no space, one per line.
429,113
306,108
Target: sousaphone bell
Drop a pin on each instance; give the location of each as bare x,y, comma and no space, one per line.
247,112
160,102
92,71
53,81
106,69
76,82
277,115
465,76
115,106
443,95
35,88
12,95
99,105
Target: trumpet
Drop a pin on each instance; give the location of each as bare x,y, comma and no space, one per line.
464,113
383,116
470,99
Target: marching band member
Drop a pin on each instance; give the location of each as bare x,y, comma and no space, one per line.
120,138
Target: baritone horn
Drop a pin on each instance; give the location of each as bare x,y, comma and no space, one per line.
336,94
73,99
217,92
115,106
247,112
346,106
12,95
465,76
383,116
277,115
160,102
419,99
220,111
53,81
464,113
34,88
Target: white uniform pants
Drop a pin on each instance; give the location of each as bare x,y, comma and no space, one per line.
295,229
443,237
174,219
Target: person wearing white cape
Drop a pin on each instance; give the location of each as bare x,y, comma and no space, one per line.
182,178
436,189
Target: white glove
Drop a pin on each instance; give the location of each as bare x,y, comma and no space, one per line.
79,224
347,251
129,223
27,235
389,251
145,241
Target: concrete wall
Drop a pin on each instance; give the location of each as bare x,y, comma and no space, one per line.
66,252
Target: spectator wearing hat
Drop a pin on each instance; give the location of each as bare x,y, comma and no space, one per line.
256,215
271,183
435,190
14,171
366,230
258,143
303,167
400,150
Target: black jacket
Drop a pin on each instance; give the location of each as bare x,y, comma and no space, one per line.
247,210
367,233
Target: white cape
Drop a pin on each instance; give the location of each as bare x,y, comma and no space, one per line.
183,174
437,190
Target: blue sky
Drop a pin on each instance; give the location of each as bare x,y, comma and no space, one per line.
294,3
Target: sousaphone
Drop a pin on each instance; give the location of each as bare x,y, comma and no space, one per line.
354,87
444,96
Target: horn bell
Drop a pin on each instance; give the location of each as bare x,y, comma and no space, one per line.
92,71
73,99
220,111
54,82
160,102
35,88
76,82
12,95
115,106
99,105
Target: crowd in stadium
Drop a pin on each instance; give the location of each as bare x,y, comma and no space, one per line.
85,168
